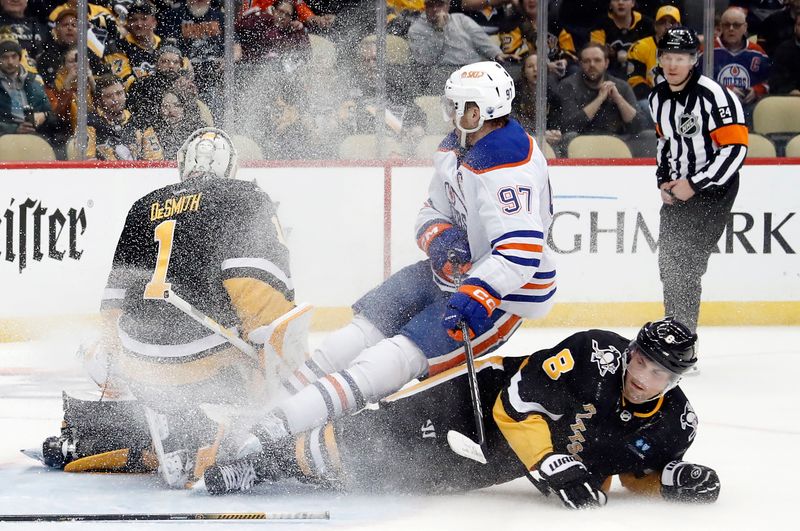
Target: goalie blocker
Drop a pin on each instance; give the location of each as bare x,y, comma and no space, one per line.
557,417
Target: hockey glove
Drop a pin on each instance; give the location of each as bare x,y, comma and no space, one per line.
443,242
473,304
569,479
686,482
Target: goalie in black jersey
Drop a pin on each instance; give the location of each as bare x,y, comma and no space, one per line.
200,268
569,418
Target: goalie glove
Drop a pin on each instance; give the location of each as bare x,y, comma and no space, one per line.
687,482
567,477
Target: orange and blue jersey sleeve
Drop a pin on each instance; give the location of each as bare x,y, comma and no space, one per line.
434,215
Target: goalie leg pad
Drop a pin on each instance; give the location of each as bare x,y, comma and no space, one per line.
93,428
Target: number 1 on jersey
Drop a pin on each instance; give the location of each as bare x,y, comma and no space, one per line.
164,233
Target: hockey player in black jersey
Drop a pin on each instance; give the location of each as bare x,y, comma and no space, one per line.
208,249
569,418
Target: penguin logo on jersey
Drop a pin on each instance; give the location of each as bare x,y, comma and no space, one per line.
607,360
688,125
689,420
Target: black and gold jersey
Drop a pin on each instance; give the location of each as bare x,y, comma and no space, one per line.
568,399
616,38
131,61
218,245
121,141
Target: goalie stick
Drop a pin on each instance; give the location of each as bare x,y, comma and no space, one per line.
458,442
187,308
325,515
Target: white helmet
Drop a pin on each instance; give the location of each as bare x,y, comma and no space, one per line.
208,152
487,84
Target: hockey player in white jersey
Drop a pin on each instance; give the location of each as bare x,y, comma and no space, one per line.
489,210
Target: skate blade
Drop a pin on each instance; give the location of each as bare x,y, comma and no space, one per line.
34,453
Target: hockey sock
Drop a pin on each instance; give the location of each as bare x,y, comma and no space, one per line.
317,454
377,372
327,398
337,351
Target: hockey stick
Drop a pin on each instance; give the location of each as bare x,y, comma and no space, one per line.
166,516
458,442
187,308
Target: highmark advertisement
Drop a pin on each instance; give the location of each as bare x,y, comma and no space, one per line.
59,227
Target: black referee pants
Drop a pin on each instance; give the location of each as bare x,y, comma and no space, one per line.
688,234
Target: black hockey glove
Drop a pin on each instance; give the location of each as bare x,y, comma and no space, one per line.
569,479
686,482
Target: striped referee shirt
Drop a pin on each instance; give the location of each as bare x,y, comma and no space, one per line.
701,134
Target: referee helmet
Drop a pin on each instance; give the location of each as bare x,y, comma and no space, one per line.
679,39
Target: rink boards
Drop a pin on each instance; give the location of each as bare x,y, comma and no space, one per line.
349,226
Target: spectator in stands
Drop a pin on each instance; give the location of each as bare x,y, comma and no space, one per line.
642,55
30,32
524,104
305,15
178,117
619,31
576,18
112,133
144,96
24,107
441,42
757,11
400,14
63,37
778,27
63,92
740,65
135,55
649,8
596,103
199,28
274,35
103,31
522,40
785,78
493,16
403,119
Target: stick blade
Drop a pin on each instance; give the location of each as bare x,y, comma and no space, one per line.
465,447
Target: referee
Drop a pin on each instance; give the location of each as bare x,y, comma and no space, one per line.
702,143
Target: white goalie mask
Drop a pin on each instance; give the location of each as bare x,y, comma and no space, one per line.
487,84
208,152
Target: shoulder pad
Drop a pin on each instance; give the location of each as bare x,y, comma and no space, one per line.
510,145
450,143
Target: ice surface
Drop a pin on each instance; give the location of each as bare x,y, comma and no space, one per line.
746,397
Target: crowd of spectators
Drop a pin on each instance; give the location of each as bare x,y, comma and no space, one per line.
156,68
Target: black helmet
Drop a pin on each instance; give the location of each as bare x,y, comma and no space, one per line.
669,343
679,39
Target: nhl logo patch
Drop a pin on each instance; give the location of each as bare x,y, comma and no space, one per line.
688,125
